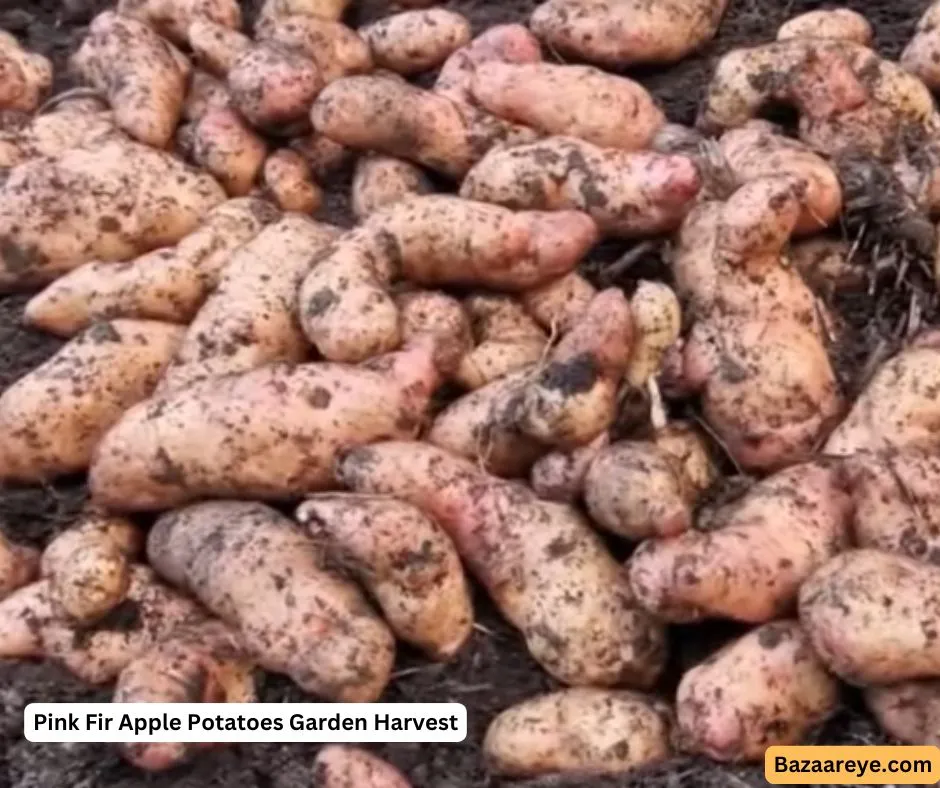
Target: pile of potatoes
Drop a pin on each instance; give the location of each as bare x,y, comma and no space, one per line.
228,359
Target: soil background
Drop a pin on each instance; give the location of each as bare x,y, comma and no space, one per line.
495,670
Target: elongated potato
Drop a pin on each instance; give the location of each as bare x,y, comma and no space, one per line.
287,178
872,617
657,324
750,565
172,18
250,320
628,194
440,316
570,101
381,181
841,23
52,419
19,565
344,766
909,711
627,32
167,284
254,569
580,731
226,146
344,307
766,689
25,77
408,564
57,213
146,90
548,573
89,566
203,663
558,305
336,50
273,432
414,41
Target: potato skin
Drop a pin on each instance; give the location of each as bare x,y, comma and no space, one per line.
909,711
628,194
405,561
767,688
841,23
558,305
57,213
52,419
271,433
381,181
72,124
19,565
414,41
253,568
581,731
344,766
288,179
751,563
172,19
872,617
226,146
336,50
25,77
548,573
442,317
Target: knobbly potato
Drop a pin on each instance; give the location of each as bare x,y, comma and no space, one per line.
841,23
872,617
408,564
337,50
254,569
441,316
249,320
52,419
570,101
558,305
909,711
922,53
344,308
414,41
343,766
580,731
19,565
272,433
765,689
547,571
628,194
381,181
147,90
757,552
288,179
172,18
25,77
627,32
167,284
89,566
57,213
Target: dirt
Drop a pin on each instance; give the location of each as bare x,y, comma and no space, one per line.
495,671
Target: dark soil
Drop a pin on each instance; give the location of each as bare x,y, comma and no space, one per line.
495,671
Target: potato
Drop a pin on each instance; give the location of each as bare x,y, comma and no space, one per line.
657,323
288,179
570,101
344,308
618,33
322,9
167,284
547,572
559,475
52,419
841,23
381,181
897,409
25,77
172,18
216,48
920,56
414,41
272,433
628,194
444,318
343,766
404,559
57,213
581,731
558,305
336,50
23,614
224,145
146,90
392,117
249,320
757,552
89,566
199,664
872,617
757,150
506,340
293,615
765,689
909,711
323,156
19,565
